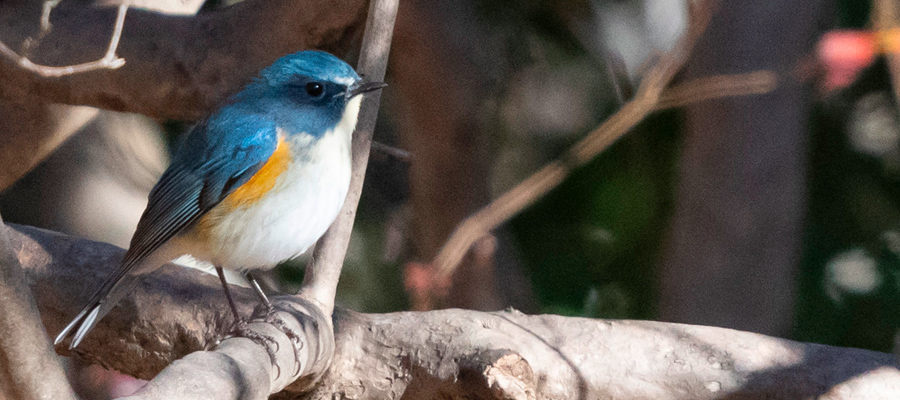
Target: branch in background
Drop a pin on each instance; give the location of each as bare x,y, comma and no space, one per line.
35,128
165,78
651,95
716,87
392,151
29,369
449,353
108,61
32,130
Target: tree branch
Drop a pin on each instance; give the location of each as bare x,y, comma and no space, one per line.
716,87
509,355
447,353
29,369
109,60
32,130
165,78
324,269
35,128
645,101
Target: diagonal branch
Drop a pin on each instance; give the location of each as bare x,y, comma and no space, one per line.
650,96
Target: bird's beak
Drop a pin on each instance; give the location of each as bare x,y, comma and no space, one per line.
361,88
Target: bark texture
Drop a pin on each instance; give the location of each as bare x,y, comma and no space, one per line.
450,353
162,78
165,78
29,370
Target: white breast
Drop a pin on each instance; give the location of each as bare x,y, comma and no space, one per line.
297,211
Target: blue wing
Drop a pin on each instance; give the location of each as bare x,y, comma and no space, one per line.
217,157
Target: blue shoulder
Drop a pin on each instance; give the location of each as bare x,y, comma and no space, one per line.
217,156
226,150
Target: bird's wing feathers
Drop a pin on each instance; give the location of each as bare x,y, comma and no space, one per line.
197,182
215,159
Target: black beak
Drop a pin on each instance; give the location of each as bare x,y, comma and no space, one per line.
361,88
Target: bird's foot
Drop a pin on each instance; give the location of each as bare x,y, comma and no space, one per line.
273,318
242,329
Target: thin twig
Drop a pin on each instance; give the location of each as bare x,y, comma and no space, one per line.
49,5
713,87
324,269
392,151
646,100
108,61
32,42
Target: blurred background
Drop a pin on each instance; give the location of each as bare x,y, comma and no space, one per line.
776,213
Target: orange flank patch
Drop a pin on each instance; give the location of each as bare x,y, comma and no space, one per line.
264,179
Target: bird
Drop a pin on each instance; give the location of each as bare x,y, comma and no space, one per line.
253,184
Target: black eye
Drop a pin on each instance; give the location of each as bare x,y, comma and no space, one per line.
315,89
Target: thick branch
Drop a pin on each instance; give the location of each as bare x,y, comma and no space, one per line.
217,52
32,129
177,311
509,355
28,367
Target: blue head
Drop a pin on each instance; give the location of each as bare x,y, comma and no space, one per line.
308,66
304,92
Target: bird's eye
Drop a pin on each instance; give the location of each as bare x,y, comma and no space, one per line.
315,89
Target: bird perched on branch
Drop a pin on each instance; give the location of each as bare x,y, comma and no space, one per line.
255,183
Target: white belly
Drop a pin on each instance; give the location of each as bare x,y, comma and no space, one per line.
291,217
284,223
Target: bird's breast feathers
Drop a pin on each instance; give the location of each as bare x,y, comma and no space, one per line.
264,180
287,205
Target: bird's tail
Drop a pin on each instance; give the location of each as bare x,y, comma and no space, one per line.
103,301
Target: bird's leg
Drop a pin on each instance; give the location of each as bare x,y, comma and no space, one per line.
237,316
273,318
259,293
242,329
